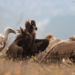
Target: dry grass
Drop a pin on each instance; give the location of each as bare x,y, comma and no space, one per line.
32,68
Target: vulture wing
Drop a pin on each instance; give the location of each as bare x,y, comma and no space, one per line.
40,45
62,50
57,49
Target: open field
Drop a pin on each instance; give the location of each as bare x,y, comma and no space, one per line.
32,68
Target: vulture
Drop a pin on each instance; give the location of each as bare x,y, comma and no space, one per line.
4,38
59,49
50,37
23,44
39,45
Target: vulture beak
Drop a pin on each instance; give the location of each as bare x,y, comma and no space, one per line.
12,31
35,27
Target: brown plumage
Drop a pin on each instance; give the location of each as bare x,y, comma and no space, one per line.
63,49
23,42
39,44
47,50
31,31
71,39
30,27
15,50
59,49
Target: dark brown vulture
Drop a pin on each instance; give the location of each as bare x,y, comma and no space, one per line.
39,44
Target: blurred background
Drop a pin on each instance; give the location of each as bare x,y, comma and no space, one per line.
51,16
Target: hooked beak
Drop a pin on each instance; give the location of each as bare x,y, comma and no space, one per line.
13,31
35,27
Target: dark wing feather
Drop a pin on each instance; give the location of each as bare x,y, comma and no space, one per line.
40,45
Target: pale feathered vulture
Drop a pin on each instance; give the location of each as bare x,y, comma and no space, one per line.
59,49
4,38
50,37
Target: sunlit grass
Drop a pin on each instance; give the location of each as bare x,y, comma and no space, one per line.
32,68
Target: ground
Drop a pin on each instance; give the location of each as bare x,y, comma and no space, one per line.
31,67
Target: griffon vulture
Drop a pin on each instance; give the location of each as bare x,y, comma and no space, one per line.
4,38
59,49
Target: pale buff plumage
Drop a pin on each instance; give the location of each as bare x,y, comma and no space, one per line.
2,43
1,36
49,37
4,38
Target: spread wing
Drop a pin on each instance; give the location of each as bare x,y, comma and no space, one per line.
40,45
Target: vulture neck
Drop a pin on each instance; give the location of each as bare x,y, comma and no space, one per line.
5,38
6,34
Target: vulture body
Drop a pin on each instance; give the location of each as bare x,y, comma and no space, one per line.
59,49
15,50
39,44
62,50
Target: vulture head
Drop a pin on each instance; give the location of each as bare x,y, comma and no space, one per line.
50,37
33,25
30,25
4,38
